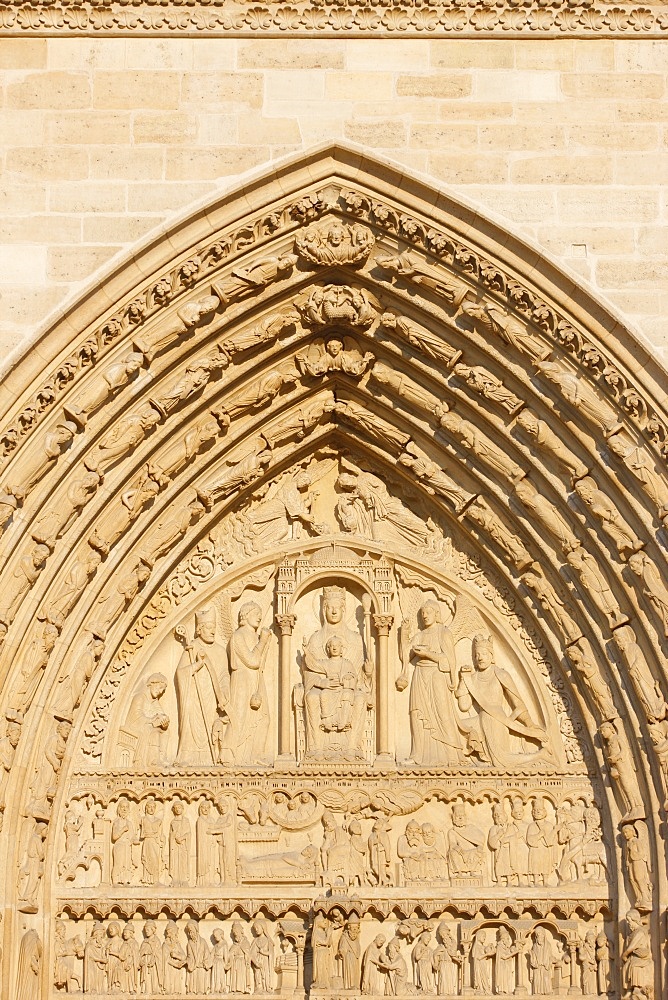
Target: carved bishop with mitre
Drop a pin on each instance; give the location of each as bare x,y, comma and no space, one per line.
202,691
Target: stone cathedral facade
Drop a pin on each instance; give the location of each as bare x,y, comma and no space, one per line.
333,512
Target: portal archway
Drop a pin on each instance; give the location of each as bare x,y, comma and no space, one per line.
334,605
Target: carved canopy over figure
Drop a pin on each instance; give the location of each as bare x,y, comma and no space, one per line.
337,683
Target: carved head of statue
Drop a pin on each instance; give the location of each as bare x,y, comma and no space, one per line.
517,808
205,625
413,833
624,637
63,729
334,604
149,928
528,421
498,813
459,814
157,685
13,734
336,234
64,433
607,731
204,807
346,482
250,614
237,932
192,930
538,810
151,806
586,489
629,832
334,346
98,933
114,929
353,927
428,834
177,808
504,935
334,646
483,651
636,563
429,614
303,481
328,821
451,421
128,932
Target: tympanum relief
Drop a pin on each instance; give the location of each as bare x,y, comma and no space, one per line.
332,755
348,720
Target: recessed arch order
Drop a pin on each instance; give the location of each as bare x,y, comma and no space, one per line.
335,388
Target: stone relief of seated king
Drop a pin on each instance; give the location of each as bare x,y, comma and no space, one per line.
336,684
502,732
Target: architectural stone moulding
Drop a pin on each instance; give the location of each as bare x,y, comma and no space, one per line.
445,20
334,617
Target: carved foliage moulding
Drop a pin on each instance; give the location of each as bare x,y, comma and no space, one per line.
471,19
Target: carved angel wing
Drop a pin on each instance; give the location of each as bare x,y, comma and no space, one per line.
309,359
252,447
410,599
467,620
352,348
318,470
223,606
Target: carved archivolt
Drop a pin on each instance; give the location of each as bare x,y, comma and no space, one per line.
334,610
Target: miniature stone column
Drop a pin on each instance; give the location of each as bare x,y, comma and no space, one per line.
522,988
467,944
295,931
286,623
575,988
383,625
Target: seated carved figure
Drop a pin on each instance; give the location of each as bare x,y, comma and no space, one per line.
501,712
336,687
465,845
337,698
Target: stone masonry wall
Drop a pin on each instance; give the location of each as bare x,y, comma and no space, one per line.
564,141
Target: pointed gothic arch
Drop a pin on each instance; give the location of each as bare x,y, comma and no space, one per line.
485,435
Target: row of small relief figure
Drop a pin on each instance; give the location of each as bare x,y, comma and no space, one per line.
553,846
177,959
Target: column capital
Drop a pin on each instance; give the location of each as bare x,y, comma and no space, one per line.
286,623
383,623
